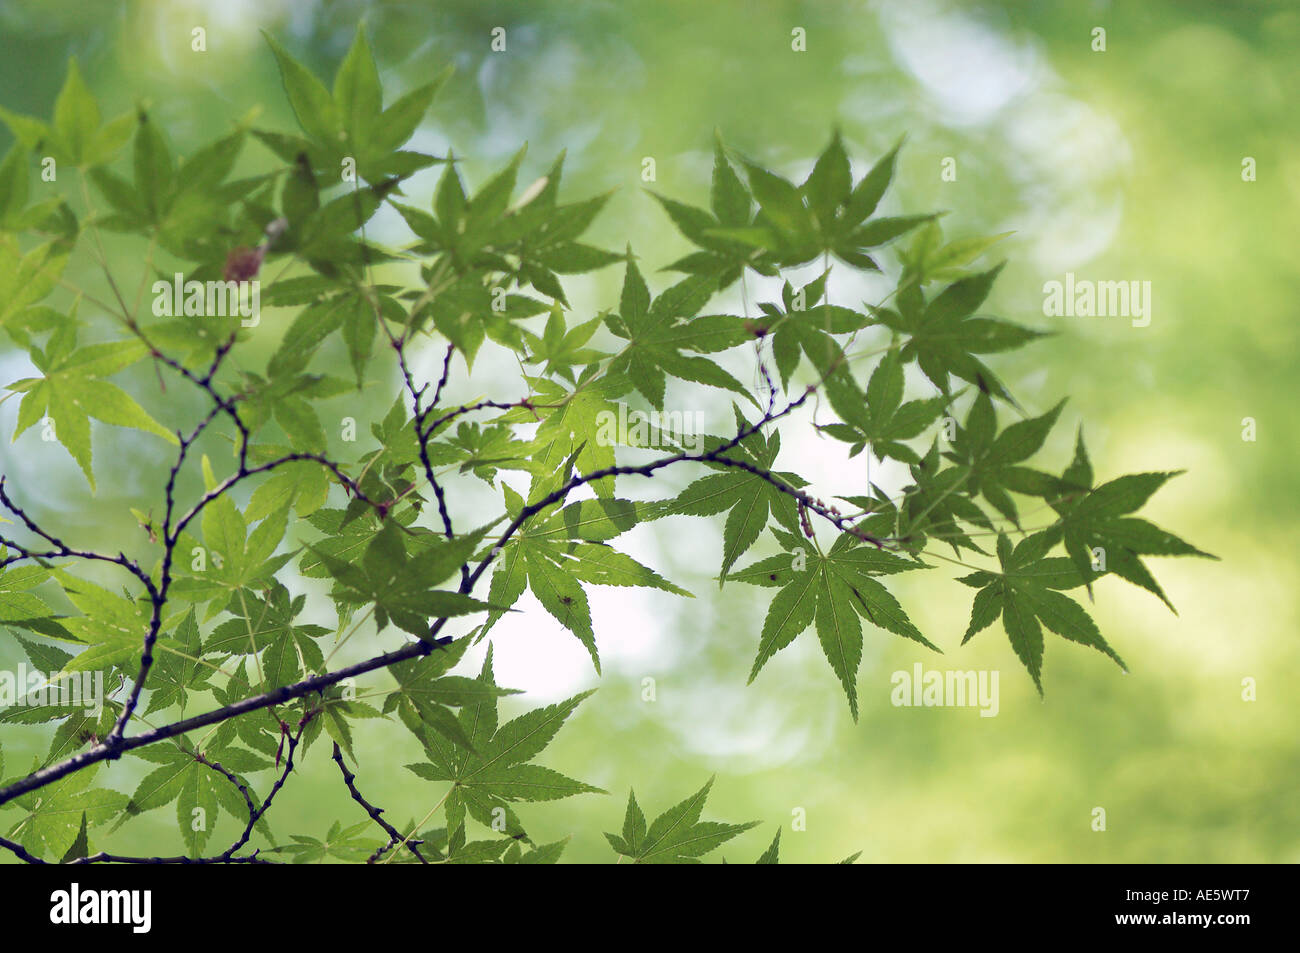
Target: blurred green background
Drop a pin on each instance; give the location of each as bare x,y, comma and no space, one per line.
1116,165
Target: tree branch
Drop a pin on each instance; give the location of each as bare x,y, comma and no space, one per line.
394,835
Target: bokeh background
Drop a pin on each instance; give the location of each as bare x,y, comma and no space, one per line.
1116,165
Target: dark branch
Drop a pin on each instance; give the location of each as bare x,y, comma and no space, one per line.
376,815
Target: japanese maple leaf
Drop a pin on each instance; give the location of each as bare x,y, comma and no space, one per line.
677,836
73,390
1026,594
881,420
401,584
659,332
747,498
490,767
571,422
1101,535
832,591
944,337
826,214
555,554
991,463
804,326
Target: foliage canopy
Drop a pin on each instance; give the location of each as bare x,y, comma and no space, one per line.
197,615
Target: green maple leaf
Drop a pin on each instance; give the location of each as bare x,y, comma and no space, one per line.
828,213
353,313
490,767
841,210
458,226
78,726
111,625
748,499
24,609
541,854
425,693
881,419
677,836
533,241
24,280
542,236
1101,535
934,505
178,204
73,390
483,451
337,713
264,624
1026,594
15,214
347,538
804,327
721,257
561,348
833,591
928,258
944,337
349,120
555,553
571,424
55,813
239,558
182,778
304,486
400,584
177,668
989,462
346,844
77,134
659,331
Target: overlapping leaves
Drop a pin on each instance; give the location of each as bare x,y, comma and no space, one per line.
491,767
489,261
